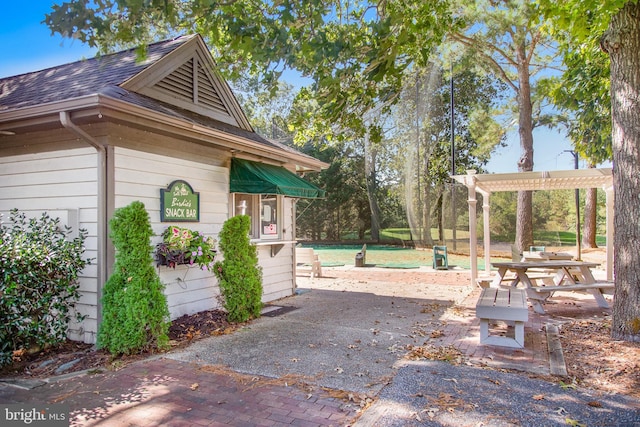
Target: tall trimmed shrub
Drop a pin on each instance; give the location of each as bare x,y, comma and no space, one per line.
239,276
39,268
135,315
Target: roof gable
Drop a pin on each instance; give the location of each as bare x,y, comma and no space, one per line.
187,78
81,78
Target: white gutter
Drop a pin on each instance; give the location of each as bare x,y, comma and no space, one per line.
102,233
36,113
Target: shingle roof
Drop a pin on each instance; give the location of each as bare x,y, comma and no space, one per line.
103,75
86,77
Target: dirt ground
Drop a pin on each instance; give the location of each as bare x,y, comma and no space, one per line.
592,358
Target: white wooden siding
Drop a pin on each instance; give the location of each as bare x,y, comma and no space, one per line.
63,184
140,176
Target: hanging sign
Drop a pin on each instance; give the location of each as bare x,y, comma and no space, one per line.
179,203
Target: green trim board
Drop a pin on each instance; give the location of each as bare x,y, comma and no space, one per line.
261,178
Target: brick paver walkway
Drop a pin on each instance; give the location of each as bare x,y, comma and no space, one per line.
461,329
165,392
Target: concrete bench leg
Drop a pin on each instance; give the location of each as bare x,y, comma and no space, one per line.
516,342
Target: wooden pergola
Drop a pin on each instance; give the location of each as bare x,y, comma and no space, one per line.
486,184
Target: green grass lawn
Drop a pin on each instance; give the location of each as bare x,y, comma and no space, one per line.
407,257
386,256
541,238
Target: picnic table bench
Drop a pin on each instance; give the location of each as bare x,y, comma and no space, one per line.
508,305
597,289
574,276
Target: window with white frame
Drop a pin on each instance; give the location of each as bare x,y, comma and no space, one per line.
264,210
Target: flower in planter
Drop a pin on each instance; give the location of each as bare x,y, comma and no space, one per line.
183,246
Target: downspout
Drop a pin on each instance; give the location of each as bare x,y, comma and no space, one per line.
65,120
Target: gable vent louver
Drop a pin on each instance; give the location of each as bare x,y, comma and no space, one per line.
207,94
181,84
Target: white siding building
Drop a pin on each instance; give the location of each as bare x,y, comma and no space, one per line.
83,139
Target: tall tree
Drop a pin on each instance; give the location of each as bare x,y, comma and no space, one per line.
618,23
508,37
582,93
622,42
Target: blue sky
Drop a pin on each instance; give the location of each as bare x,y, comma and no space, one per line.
27,45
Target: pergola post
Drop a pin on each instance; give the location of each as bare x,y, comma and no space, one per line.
609,221
473,237
487,232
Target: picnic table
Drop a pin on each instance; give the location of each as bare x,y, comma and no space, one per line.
547,256
565,275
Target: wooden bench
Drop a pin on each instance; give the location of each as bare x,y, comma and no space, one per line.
596,289
307,261
484,281
508,305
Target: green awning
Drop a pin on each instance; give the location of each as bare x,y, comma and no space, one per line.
260,178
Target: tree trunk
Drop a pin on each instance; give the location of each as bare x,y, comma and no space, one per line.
440,217
524,219
590,207
590,226
426,215
622,42
370,154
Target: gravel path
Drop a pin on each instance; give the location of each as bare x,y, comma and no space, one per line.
431,393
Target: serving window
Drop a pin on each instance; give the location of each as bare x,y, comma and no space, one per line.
264,211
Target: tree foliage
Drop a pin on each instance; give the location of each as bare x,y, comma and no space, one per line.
510,40
617,22
356,52
582,94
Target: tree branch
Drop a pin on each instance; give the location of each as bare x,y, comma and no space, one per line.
470,42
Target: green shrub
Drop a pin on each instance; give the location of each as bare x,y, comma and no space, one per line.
39,265
239,276
135,316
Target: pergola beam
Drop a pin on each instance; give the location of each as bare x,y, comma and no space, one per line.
486,184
